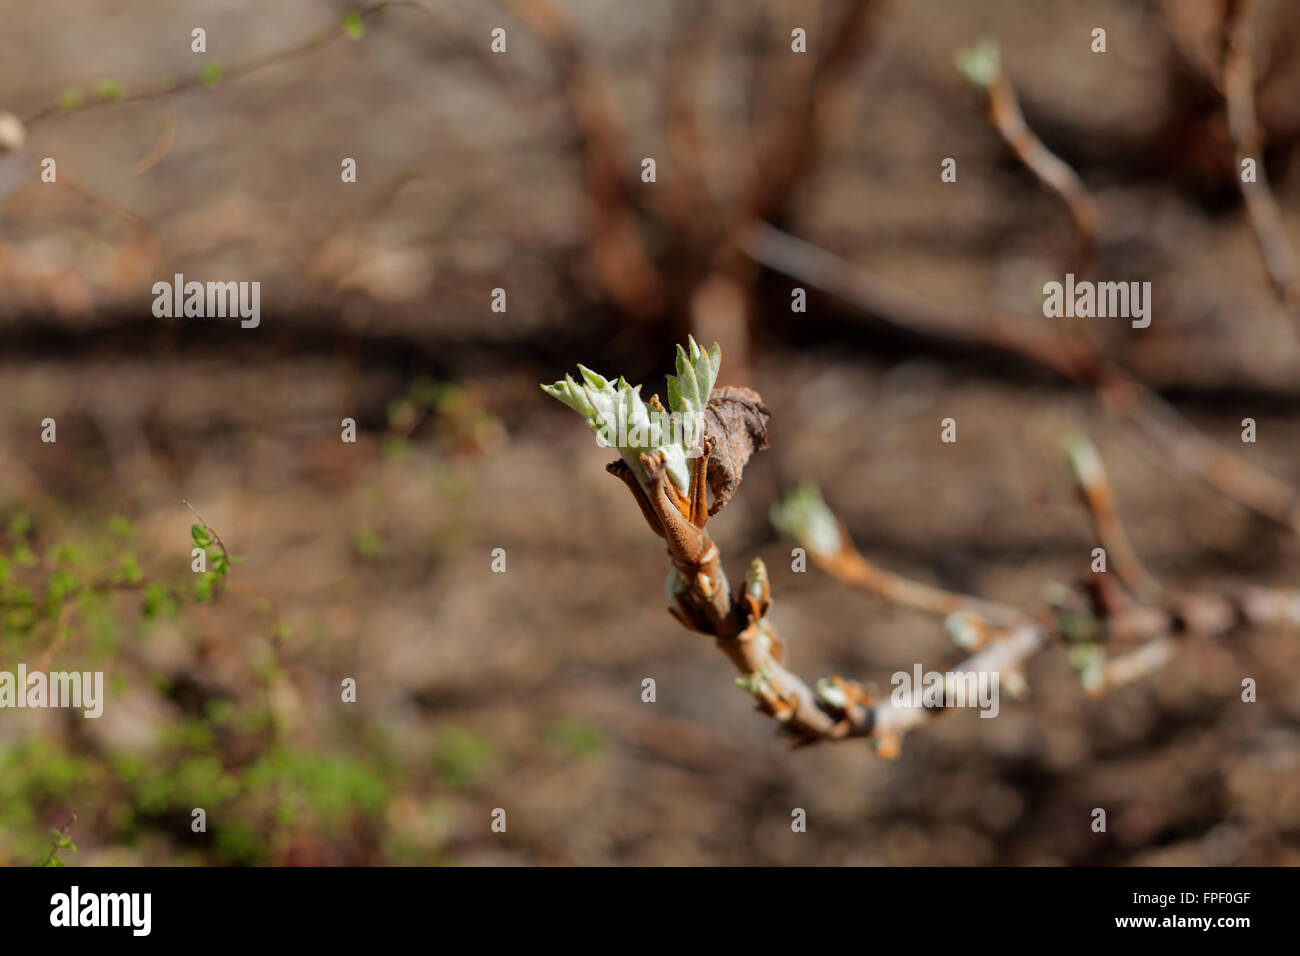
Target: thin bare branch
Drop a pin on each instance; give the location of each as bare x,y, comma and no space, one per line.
851,567
1179,442
1099,496
982,68
1082,619
1248,144
312,44
1002,637
797,130
618,252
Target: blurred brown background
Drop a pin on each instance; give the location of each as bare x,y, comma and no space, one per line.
522,171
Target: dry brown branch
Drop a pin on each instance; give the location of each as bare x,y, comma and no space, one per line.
1099,496
796,131
1085,618
1178,441
616,248
689,200
982,68
13,135
1238,87
850,566
900,307
201,77
161,147
1135,665
116,210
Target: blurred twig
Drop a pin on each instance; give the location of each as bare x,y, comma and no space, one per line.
796,130
1248,143
616,248
1099,496
1085,619
851,567
1180,442
982,68
203,77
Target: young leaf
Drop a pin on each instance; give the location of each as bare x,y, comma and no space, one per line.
109,91
620,418
689,389
804,516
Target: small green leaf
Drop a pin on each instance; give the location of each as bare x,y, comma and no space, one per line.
129,569
697,370
200,535
109,90
353,26
69,99
120,527
804,516
61,584
212,72
980,65
620,418
158,599
205,587
368,545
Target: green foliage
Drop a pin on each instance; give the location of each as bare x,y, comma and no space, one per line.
211,73
353,25
689,389
128,569
621,419
263,785
574,736
460,756
804,516
333,788
980,65
61,842
109,90
158,600
368,545
120,527
218,562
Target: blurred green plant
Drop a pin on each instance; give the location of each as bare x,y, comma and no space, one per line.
109,90
460,756
574,736
353,25
60,843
